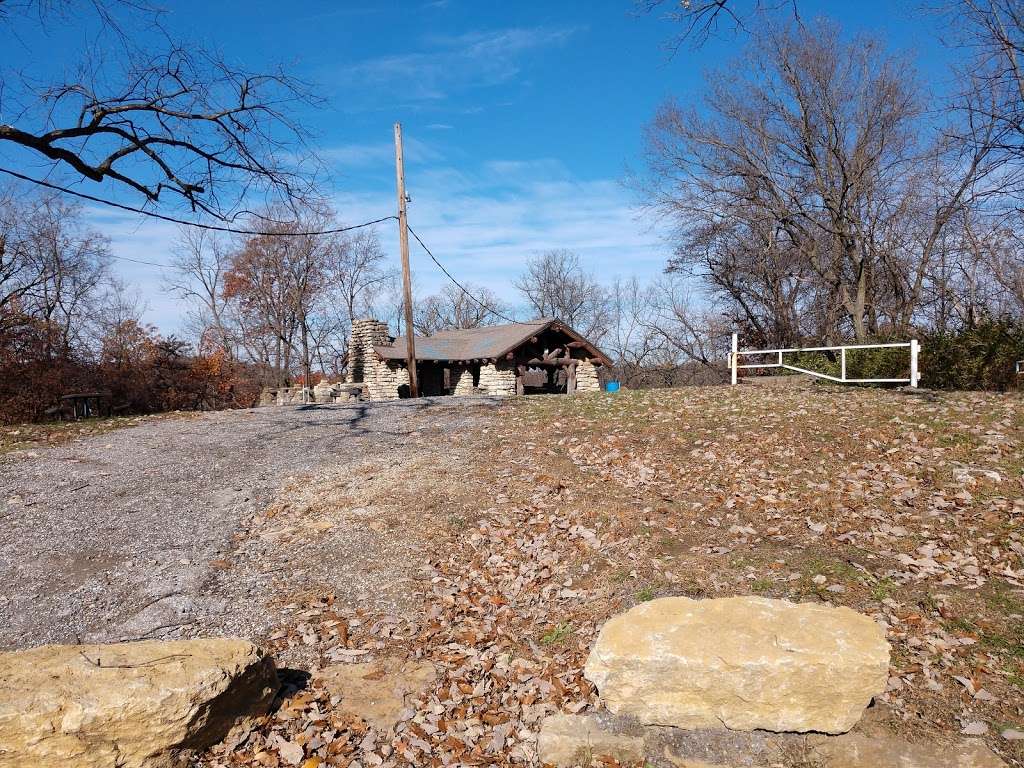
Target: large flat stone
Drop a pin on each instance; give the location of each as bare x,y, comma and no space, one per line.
377,691
130,705
569,741
854,750
744,663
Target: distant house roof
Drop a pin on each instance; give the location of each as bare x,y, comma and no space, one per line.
476,343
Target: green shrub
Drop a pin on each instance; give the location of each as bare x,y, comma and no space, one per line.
982,357
860,363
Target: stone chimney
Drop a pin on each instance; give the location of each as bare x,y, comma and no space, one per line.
366,334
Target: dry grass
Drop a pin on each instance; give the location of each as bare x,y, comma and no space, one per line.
902,507
31,437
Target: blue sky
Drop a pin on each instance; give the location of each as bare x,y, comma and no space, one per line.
520,119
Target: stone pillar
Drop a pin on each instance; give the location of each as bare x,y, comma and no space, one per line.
498,379
366,334
463,378
586,377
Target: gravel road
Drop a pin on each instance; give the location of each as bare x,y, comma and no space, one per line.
126,535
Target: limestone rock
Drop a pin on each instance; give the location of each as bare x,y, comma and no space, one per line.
572,740
741,662
130,705
859,751
376,691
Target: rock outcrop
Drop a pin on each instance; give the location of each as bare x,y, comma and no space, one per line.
131,705
745,663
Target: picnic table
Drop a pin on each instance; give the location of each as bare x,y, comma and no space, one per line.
82,405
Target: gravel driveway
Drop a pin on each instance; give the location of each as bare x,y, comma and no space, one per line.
137,533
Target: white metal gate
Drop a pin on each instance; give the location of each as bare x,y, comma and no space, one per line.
735,367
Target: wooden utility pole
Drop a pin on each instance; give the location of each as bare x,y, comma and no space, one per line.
403,242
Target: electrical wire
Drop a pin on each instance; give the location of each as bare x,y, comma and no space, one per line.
457,283
185,222
240,231
139,261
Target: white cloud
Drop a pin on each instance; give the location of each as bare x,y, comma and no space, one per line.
142,239
485,226
471,60
482,224
379,153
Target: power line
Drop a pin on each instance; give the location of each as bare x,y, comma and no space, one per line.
173,220
460,285
240,231
139,261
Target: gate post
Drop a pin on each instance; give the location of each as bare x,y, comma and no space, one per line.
915,347
733,358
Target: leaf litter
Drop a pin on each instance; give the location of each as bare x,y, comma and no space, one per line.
561,512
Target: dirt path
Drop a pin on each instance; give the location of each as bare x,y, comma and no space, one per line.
161,530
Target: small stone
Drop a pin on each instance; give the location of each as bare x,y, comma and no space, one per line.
976,728
819,579
1012,734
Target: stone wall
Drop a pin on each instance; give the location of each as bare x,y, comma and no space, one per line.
323,392
586,377
384,378
498,379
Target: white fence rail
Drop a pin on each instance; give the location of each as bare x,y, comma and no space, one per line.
735,367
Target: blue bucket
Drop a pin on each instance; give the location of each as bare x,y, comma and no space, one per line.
611,386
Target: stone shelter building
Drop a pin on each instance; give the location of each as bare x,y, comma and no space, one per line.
538,356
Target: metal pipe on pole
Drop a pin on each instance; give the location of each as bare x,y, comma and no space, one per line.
734,358
403,241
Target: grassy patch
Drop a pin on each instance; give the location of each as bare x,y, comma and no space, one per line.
883,589
557,634
646,594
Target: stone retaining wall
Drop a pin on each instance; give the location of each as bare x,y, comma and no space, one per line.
323,392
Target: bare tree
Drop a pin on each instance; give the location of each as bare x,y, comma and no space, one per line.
52,268
555,285
700,20
358,272
75,262
199,267
807,189
180,120
451,308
